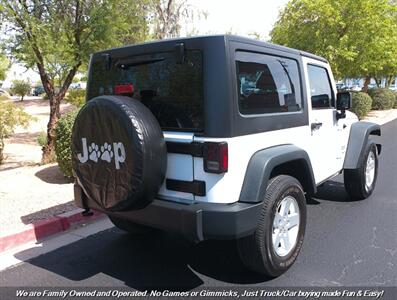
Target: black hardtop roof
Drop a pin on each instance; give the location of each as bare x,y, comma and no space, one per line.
250,41
227,38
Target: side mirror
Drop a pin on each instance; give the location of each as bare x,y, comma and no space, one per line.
343,102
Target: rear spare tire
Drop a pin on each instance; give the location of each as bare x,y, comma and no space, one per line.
119,155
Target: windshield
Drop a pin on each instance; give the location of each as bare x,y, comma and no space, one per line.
171,89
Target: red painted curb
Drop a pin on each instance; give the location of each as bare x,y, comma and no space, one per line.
44,228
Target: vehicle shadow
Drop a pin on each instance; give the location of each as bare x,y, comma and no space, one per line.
156,262
331,191
220,260
161,261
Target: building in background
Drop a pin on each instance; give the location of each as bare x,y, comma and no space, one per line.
19,72
356,84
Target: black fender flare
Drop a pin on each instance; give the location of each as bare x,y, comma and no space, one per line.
263,162
358,138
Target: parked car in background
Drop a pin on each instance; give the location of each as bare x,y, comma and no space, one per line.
341,86
78,85
38,90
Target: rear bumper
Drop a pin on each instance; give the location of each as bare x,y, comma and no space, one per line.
196,222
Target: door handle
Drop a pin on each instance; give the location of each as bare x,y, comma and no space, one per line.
315,126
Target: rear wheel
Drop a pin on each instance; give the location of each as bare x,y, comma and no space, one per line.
130,227
275,244
360,182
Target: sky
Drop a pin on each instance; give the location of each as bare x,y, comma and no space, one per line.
238,17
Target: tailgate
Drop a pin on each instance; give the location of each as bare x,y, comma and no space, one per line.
179,167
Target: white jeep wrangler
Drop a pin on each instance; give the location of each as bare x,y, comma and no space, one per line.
217,137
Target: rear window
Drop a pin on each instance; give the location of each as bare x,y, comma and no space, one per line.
267,84
171,89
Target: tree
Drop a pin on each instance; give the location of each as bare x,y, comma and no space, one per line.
357,37
10,117
56,37
4,65
255,35
21,88
389,71
168,17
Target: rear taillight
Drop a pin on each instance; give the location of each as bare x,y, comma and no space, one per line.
124,89
216,157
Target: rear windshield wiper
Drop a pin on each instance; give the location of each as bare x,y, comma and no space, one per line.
131,62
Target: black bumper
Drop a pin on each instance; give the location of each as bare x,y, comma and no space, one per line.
197,222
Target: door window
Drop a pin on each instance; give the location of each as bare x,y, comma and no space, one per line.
321,92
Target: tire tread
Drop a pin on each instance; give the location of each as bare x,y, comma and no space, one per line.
252,249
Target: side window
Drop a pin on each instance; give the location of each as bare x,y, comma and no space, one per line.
267,84
320,87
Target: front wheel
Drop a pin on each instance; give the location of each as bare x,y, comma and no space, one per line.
360,182
275,244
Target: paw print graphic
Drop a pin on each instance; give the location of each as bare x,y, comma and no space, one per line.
93,150
107,152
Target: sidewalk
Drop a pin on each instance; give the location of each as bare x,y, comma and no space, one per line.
30,192
381,116
35,202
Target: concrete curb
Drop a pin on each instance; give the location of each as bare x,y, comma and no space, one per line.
44,228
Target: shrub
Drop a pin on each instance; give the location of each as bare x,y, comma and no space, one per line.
395,99
10,117
76,97
63,150
21,88
361,105
42,139
382,98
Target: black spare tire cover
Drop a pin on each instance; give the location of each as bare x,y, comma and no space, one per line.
119,155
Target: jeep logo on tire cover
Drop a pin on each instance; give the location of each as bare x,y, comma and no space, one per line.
105,152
